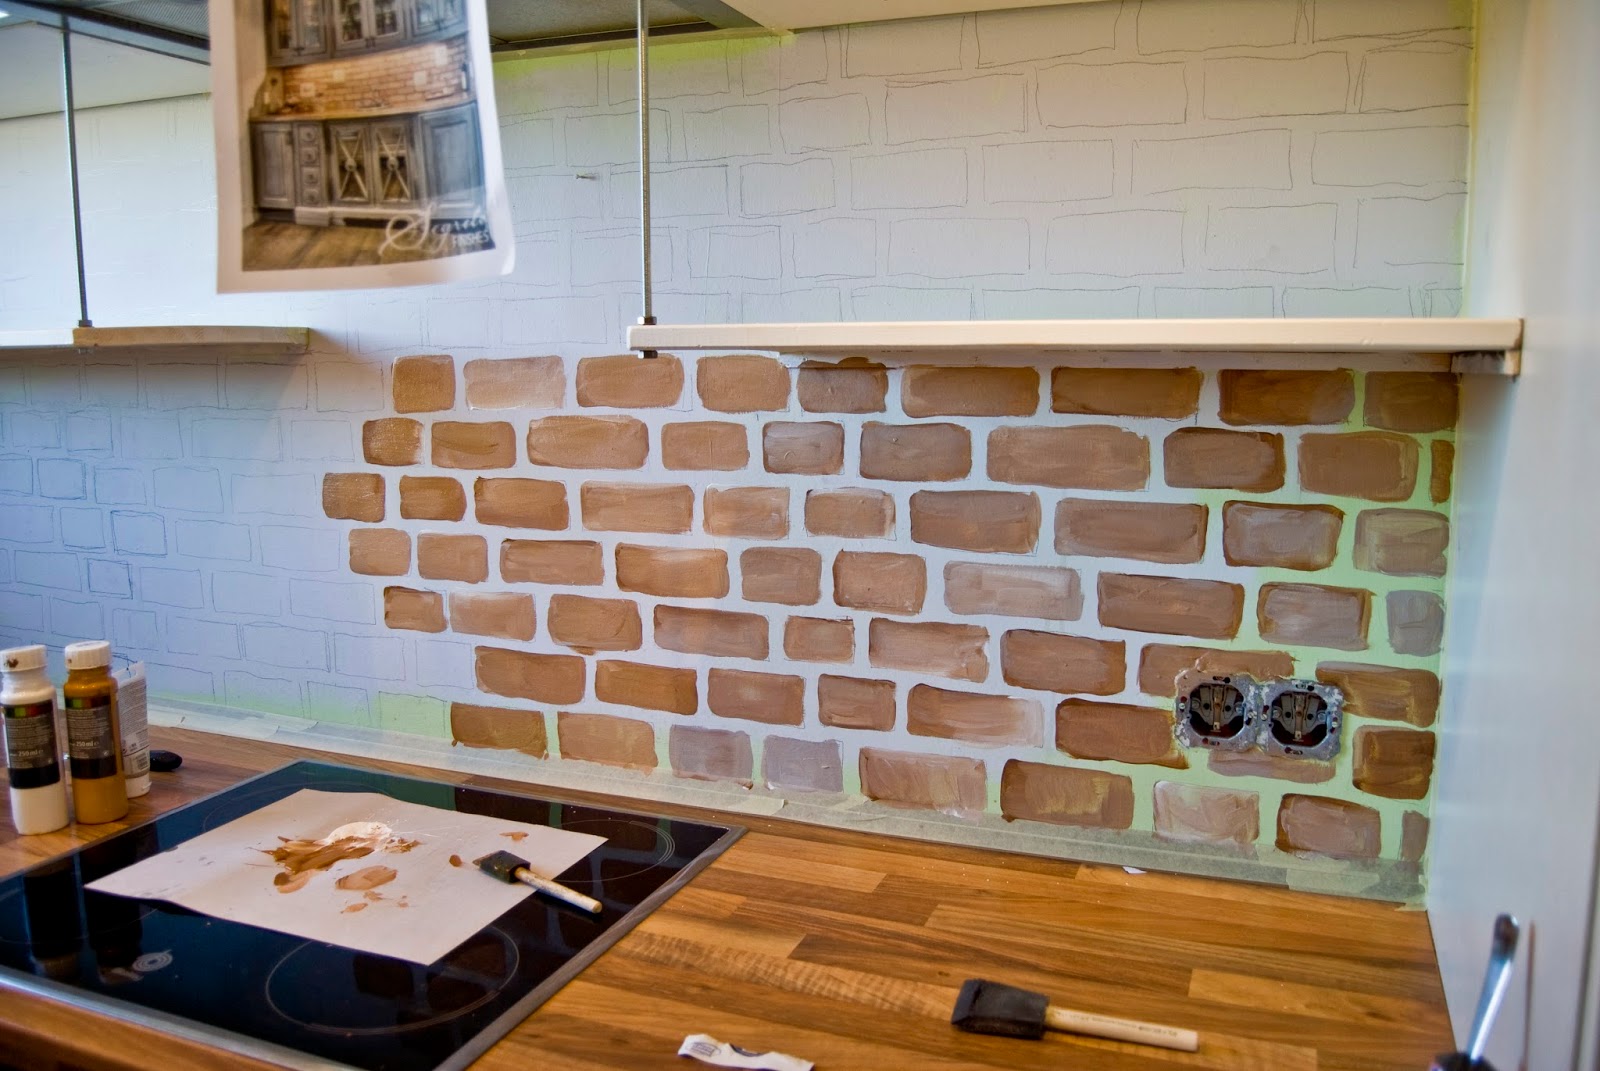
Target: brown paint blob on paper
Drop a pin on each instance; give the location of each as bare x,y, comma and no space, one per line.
516,836
286,883
367,878
455,860
351,909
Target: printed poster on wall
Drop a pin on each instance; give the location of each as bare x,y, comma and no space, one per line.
357,144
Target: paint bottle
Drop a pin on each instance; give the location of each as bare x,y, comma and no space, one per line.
33,759
133,719
94,742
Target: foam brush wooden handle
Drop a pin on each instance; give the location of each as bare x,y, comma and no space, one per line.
1109,1026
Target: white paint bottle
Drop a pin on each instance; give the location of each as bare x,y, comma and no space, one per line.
33,759
135,728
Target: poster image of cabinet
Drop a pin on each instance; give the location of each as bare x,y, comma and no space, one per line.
357,144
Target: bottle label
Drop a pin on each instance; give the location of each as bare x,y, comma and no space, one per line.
132,713
32,759
91,744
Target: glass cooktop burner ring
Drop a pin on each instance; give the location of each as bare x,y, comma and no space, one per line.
454,976
619,861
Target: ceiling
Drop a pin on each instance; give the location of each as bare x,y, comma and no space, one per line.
102,72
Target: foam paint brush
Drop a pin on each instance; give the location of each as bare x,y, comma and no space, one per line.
991,1008
512,869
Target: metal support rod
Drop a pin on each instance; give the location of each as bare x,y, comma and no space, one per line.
647,312
72,172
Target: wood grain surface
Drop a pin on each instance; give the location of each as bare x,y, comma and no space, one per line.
848,949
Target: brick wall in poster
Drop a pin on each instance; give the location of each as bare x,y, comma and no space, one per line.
181,507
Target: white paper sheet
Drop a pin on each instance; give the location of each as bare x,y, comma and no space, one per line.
436,899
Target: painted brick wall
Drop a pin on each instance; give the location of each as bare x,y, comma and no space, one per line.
388,76
958,590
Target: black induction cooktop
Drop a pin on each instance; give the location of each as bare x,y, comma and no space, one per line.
306,1004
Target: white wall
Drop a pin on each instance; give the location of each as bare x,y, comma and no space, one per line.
1518,780
1164,158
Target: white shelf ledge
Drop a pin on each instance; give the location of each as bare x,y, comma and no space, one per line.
200,340
1471,344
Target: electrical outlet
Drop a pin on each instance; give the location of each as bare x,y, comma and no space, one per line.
1301,719
1219,711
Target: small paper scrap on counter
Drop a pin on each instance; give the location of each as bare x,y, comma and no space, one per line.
357,869
708,1050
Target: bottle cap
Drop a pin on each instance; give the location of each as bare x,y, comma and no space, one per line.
90,654
22,659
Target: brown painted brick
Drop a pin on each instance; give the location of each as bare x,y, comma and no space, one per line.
1195,814
817,639
424,384
679,572
588,442
353,496
921,453
711,632
417,611
1065,795
711,754
432,498
504,614
976,520
1379,465
636,507
1439,474
769,698
602,738
747,512
854,385
948,783
803,449
942,391
1397,763
955,651
634,684
1333,828
806,765
1117,731
513,502
588,625
1255,763
452,557
1099,457
1283,537
567,562
1160,664
1174,606
1056,663
1217,458
1408,695
704,445
742,384
1416,621
1314,615
1402,542
543,678
392,441
855,513
499,727
973,718
1413,836
1411,401
1173,533
387,552
853,703
1173,393
1042,591
887,583
516,383
459,444
627,381
791,576
1281,396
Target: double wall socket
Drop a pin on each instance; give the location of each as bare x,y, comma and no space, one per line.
1234,712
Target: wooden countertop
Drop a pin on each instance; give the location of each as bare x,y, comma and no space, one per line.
847,949
365,113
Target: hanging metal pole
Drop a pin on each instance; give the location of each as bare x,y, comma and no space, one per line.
72,172
647,313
